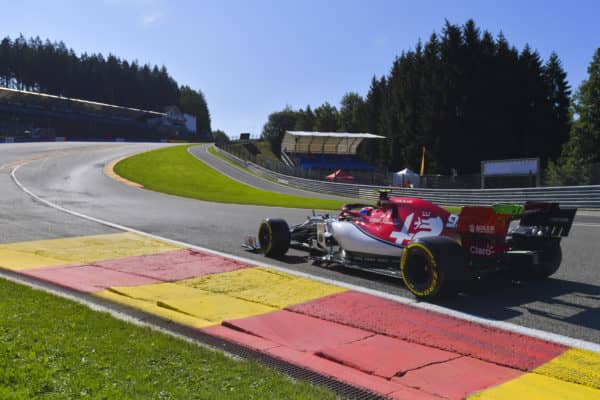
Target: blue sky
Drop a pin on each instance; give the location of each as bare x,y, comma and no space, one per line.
251,58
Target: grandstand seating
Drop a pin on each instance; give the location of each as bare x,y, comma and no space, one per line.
22,112
349,162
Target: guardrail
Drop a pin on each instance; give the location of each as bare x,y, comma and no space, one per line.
570,196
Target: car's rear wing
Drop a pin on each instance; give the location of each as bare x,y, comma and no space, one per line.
484,230
483,220
548,218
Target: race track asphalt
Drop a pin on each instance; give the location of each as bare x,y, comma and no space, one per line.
72,176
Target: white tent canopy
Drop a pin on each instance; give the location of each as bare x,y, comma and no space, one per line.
324,142
405,177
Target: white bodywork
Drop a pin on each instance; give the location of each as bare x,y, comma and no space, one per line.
353,239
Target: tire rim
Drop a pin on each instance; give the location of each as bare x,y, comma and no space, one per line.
264,238
418,270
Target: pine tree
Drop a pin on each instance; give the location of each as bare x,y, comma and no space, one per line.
279,122
326,118
352,114
50,67
576,163
559,119
305,120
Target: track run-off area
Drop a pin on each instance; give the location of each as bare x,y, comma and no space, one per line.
500,340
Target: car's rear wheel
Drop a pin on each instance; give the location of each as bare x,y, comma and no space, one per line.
433,266
274,237
550,258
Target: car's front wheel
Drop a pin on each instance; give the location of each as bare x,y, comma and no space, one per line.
274,237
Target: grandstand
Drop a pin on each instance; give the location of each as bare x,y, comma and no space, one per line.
23,112
325,151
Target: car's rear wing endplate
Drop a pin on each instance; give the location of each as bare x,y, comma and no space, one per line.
549,216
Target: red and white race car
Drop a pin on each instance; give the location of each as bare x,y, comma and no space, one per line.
431,249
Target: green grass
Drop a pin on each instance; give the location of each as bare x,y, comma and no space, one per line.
173,170
211,150
262,146
53,348
265,150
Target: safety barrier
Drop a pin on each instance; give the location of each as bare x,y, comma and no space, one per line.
587,197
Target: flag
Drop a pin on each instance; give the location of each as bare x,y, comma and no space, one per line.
423,162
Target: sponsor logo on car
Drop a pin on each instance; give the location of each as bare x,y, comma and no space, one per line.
487,251
422,226
485,229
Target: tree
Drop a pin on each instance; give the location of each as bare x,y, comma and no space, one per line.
5,62
220,137
466,96
326,118
559,92
305,120
50,67
193,102
583,147
374,150
352,115
586,106
277,124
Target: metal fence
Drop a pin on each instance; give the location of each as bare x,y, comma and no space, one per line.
374,177
590,175
587,197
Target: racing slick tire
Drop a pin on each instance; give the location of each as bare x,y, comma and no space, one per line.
434,266
550,260
274,237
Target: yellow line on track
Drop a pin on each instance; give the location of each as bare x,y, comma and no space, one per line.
109,171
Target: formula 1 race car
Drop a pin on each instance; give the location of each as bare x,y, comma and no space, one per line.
434,251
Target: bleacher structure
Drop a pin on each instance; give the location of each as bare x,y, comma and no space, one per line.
325,151
23,111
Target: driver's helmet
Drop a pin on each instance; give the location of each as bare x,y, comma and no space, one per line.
366,210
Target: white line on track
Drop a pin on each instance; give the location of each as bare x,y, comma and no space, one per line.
507,326
586,224
589,213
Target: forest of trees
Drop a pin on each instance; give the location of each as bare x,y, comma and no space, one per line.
579,162
50,67
464,94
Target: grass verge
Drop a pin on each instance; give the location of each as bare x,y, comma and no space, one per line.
220,156
55,348
261,149
214,152
173,170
